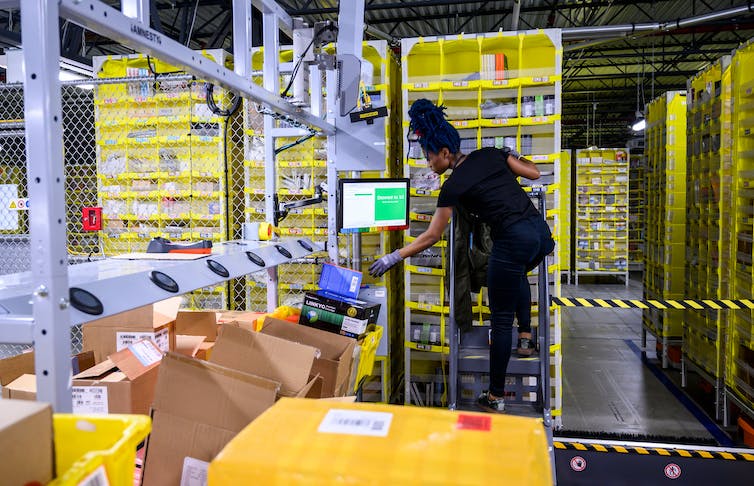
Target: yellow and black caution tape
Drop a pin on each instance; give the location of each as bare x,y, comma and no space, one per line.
693,304
655,451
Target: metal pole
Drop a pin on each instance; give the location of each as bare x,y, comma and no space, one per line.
516,14
44,154
544,339
455,338
137,9
331,84
271,83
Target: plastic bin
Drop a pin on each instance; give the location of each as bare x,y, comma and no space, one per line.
90,445
365,363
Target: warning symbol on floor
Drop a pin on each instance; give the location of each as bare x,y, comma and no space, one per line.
673,471
578,463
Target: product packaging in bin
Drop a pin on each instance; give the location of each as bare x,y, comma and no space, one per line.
319,442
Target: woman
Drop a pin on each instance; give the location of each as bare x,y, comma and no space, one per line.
484,183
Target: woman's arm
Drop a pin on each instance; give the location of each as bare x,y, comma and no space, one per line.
523,167
431,236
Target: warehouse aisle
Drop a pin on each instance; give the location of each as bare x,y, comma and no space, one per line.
606,388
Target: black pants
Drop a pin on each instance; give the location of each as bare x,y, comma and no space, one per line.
516,250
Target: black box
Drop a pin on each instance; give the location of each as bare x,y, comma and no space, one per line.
335,313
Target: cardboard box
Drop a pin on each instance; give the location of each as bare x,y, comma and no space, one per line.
15,366
26,442
123,383
198,408
336,353
243,319
21,368
205,351
337,314
197,323
273,358
466,447
340,280
188,345
22,388
114,333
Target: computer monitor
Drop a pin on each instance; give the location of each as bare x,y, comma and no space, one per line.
366,205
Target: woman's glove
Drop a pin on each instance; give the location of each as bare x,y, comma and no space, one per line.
384,264
513,152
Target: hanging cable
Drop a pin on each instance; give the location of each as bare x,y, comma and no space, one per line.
303,54
209,89
294,143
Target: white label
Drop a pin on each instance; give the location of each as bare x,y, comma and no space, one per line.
378,294
89,400
356,422
355,326
354,284
96,478
194,472
145,353
160,338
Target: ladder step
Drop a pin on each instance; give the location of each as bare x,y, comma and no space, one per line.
477,360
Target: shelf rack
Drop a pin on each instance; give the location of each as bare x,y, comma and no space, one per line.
163,160
739,376
565,216
500,89
601,226
637,181
666,215
708,201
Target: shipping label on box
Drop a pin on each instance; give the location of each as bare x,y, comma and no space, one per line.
161,338
89,399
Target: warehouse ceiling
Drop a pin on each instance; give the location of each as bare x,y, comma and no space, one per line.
602,80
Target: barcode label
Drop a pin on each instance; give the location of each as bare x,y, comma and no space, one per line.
97,478
89,399
160,338
194,472
356,422
145,352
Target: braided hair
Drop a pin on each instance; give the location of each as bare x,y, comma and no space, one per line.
429,124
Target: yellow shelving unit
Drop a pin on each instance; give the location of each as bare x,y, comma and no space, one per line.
739,376
565,222
708,201
601,224
637,181
500,89
162,160
664,271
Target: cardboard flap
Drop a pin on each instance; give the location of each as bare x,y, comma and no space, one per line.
211,394
137,359
165,311
15,366
141,316
331,346
188,345
24,383
97,370
197,323
270,357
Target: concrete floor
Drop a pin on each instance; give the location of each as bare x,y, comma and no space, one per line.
606,387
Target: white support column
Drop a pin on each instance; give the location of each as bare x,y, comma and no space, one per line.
45,179
350,27
331,85
136,9
272,84
315,87
242,28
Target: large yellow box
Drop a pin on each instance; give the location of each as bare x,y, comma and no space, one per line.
317,442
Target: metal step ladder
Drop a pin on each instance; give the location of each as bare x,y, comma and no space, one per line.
469,354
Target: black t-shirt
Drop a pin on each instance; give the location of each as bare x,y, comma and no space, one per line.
484,185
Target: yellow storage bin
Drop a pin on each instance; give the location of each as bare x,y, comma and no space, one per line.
91,445
369,345
318,442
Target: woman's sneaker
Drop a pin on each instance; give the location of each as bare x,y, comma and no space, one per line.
496,405
526,347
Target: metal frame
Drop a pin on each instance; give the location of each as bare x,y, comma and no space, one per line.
48,281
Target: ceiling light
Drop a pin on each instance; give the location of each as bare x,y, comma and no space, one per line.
639,125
